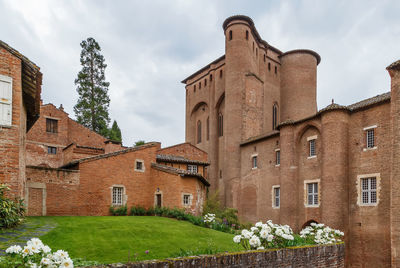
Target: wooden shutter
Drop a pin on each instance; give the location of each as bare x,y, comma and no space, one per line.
5,100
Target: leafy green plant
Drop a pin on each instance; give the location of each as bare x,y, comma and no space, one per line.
119,211
11,212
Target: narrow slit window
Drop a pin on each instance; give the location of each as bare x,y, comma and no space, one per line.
312,148
220,125
210,77
230,35
277,197
254,161
220,74
269,66
278,157
247,35
208,128
198,131
276,70
274,116
205,82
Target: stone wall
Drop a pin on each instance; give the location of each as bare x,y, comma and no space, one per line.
313,256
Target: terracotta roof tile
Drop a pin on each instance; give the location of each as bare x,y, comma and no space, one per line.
181,172
179,159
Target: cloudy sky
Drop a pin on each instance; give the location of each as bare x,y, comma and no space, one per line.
150,46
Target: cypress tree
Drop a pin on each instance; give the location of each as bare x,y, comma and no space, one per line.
91,109
115,132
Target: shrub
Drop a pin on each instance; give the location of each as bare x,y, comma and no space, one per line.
318,233
11,212
36,254
119,211
138,211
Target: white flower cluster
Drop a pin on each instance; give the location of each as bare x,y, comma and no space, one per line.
209,218
321,234
36,250
264,235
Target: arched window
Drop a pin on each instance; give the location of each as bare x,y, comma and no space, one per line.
247,35
269,66
210,77
264,57
205,82
274,116
230,35
198,131
200,85
220,125
208,128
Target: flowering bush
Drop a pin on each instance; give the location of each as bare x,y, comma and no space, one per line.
265,235
11,212
321,234
209,218
36,255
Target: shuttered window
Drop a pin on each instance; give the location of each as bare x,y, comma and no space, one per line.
5,100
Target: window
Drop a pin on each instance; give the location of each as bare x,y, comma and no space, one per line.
208,128
274,116
199,85
269,66
230,35
220,74
199,131
312,194
210,77
192,168
264,57
139,165
276,196
51,125
247,35
276,70
194,88
254,161
277,157
205,82
51,150
312,147
370,138
117,199
368,191
187,199
5,100
220,125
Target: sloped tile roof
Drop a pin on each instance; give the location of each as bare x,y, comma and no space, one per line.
179,159
181,172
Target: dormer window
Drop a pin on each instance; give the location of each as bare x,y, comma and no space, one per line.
51,125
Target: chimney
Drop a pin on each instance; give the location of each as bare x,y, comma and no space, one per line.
61,107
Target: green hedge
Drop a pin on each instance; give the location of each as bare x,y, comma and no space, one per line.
11,212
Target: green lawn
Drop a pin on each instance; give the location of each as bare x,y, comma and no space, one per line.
118,239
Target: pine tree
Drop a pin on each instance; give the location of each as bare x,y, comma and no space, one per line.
115,132
92,107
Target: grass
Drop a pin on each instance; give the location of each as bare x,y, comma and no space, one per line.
124,239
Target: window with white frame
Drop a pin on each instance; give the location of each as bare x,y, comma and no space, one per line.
187,199
192,168
117,196
277,157
277,196
312,148
370,138
312,194
5,100
254,161
368,191
139,165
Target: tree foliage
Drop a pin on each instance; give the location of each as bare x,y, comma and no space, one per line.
115,132
139,142
91,109
11,212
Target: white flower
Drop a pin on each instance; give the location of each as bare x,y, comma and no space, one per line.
254,229
270,238
259,224
46,249
260,248
247,234
254,241
62,253
237,239
46,261
265,226
288,237
27,251
14,250
264,233
67,263
279,232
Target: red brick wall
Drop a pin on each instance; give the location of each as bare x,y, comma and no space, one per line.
12,140
186,150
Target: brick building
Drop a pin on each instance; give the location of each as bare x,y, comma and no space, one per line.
20,88
274,156
62,168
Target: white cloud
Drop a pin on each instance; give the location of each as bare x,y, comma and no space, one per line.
151,46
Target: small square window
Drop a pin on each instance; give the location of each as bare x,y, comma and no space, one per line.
51,125
370,138
51,150
192,168
312,147
139,165
187,200
254,161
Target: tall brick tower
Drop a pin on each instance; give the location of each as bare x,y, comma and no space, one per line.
394,72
